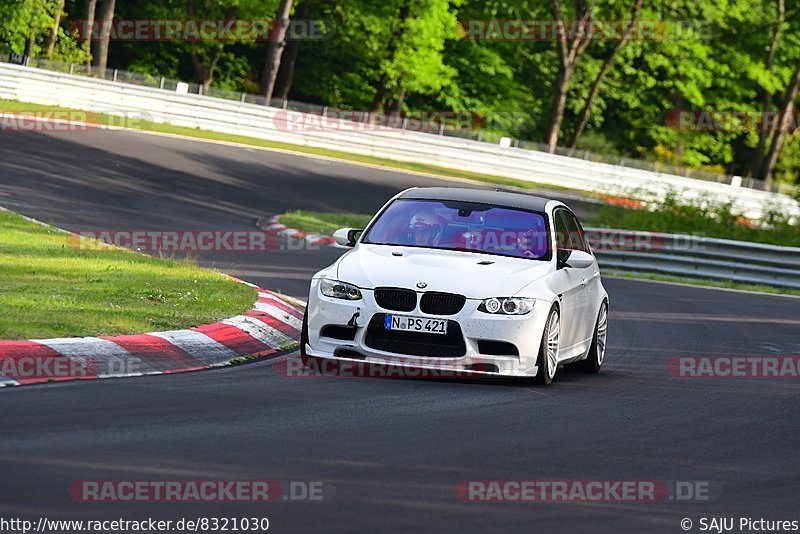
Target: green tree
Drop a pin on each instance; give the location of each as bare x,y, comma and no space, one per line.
412,61
23,24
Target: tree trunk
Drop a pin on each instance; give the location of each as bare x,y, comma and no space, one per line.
764,135
53,37
772,157
205,73
560,90
397,103
277,42
569,51
286,75
106,19
768,165
587,107
380,95
283,85
91,6
678,154
29,41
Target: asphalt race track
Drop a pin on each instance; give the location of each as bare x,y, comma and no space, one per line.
389,452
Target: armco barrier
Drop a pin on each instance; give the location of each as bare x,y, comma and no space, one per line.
696,257
195,111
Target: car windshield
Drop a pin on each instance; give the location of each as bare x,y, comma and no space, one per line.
464,226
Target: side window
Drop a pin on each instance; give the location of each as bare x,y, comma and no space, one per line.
562,233
585,240
577,238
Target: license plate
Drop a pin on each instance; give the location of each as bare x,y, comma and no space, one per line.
406,323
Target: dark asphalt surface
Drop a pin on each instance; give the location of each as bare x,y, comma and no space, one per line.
389,451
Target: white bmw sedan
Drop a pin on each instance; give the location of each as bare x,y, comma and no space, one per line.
464,280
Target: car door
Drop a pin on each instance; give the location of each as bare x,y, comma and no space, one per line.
568,286
589,278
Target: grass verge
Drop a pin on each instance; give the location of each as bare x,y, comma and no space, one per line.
13,106
52,288
317,222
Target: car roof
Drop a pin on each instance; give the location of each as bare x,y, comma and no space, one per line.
486,196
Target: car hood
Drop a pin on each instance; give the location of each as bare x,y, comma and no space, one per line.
371,266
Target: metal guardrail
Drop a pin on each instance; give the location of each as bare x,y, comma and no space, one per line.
443,128
239,118
696,257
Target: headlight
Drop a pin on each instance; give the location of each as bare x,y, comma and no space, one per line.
339,290
507,306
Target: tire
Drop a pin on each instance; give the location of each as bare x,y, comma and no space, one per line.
597,351
548,349
304,357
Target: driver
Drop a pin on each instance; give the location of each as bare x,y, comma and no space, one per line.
426,228
529,243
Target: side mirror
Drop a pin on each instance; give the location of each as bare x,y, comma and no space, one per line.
346,237
580,260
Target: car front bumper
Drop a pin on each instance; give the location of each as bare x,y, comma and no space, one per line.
476,328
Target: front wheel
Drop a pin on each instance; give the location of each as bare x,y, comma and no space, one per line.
549,349
597,352
304,357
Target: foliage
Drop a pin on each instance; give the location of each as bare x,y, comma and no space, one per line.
788,168
703,216
69,50
415,55
24,19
